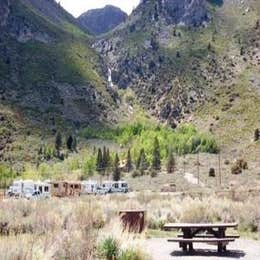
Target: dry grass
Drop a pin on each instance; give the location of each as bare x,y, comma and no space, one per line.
73,228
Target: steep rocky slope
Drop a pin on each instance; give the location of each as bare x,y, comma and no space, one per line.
102,20
181,56
49,75
47,64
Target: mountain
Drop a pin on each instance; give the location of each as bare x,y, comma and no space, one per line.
182,61
103,20
50,77
193,61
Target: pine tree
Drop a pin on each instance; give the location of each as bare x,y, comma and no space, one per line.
58,142
129,165
170,162
142,163
156,164
108,158
116,171
69,143
99,162
104,158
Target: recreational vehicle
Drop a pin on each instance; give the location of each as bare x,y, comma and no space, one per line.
66,189
89,187
115,186
29,189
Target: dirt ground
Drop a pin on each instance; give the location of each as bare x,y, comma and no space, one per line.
159,248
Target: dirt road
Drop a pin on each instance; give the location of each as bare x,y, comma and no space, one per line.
159,248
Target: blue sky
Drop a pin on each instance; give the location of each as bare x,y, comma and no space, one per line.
77,7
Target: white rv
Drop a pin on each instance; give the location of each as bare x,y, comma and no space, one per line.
115,186
41,190
90,187
29,189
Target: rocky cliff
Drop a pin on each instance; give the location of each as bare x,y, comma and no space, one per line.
175,54
103,20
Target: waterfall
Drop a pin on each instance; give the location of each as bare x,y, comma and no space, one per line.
109,80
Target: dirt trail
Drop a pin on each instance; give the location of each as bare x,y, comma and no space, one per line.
244,249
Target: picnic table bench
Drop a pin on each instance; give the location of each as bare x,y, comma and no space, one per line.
202,233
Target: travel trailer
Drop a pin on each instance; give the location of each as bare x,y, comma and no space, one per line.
41,190
29,189
19,188
89,187
115,186
66,189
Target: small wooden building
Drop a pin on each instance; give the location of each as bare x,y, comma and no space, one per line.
66,189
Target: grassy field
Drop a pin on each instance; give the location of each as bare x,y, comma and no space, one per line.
81,228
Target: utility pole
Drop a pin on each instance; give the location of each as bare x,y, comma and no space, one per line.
184,164
198,167
219,169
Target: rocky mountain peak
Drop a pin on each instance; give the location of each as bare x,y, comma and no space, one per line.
102,20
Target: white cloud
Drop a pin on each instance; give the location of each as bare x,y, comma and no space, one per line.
77,7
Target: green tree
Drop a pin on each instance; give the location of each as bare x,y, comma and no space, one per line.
6,176
58,143
142,163
116,170
156,163
170,162
69,143
105,158
129,165
99,162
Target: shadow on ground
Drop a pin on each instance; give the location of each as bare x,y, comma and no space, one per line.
207,252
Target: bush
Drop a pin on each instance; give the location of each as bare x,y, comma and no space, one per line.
132,254
212,172
109,249
239,166
226,162
153,174
135,174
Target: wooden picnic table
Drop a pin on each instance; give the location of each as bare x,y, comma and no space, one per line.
214,233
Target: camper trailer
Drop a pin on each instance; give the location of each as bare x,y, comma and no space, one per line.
89,187
66,189
29,189
115,186
20,188
41,190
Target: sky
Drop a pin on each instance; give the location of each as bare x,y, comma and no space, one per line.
77,7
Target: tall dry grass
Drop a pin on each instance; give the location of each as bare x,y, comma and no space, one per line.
73,228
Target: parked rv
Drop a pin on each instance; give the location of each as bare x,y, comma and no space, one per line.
101,191
115,186
89,187
66,189
28,189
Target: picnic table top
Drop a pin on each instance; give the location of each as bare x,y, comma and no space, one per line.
132,210
200,225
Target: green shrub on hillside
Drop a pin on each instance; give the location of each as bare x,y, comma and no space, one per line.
6,176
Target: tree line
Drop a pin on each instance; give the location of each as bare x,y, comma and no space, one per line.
105,164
